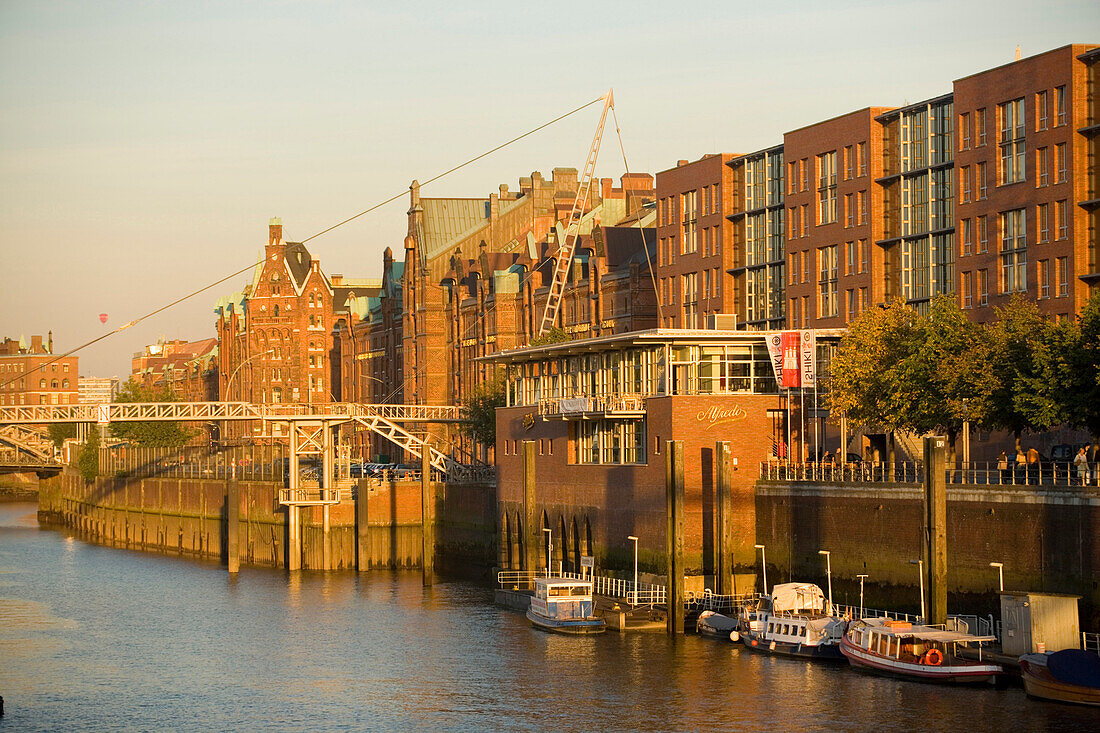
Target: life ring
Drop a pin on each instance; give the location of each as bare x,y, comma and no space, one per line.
933,657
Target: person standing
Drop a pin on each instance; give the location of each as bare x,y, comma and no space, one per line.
1081,463
1002,466
1020,469
1033,465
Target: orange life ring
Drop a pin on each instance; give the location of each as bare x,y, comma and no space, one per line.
933,657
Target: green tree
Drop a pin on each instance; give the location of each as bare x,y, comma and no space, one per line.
87,461
480,412
156,434
553,336
1074,365
60,431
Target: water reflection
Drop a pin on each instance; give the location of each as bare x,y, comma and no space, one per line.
94,637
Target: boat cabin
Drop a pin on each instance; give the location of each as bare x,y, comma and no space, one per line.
562,598
905,642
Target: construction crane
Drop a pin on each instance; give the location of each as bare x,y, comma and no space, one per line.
564,258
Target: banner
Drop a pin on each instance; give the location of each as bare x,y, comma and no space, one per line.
792,371
808,351
775,352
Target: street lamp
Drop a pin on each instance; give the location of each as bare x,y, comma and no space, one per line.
1000,573
829,575
634,539
920,569
228,391
861,579
764,566
549,547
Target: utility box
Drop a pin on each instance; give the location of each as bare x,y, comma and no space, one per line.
1033,620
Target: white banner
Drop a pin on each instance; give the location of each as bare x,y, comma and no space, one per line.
809,358
775,351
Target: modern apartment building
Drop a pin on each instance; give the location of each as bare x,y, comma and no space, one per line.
1027,195
759,240
693,236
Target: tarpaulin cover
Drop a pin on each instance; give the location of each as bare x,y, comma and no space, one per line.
795,597
1075,667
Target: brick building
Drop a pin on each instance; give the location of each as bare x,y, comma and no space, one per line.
32,375
693,237
189,369
757,215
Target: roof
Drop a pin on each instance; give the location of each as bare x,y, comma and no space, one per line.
447,220
926,633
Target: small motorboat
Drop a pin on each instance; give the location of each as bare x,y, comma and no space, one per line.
793,621
564,605
716,626
900,648
1070,675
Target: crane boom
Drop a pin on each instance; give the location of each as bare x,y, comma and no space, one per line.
564,258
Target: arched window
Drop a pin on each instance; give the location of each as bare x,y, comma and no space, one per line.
276,311
65,383
53,384
42,384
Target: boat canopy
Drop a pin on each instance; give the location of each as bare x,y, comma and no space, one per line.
797,598
924,633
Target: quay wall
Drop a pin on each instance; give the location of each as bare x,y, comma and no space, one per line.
1047,537
189,517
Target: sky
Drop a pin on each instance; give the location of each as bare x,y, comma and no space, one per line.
144,146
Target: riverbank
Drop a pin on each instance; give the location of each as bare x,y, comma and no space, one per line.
18,487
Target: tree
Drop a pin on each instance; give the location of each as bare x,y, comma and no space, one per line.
87,461
60,431
480,412
1074,359
553,336
156,434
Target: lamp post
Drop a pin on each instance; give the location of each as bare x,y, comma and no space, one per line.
763,566
634,539
829,575
861,579
229,389
549,547
1000,573
920,569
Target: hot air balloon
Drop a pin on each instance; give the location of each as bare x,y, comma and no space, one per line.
102,317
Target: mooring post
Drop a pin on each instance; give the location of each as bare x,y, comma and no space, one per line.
294,540
934,551
427,517
362,541
532,532
328,483
232,525
723,473
674,493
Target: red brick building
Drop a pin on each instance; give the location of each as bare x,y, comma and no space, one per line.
757,215
693,241
32,375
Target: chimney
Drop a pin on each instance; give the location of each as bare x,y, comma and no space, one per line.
51,341
275,231
36,344
681,163
337,279
1017,52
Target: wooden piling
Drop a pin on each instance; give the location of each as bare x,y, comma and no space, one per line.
674,494
362,537
531,530
723,474
232,525
427,518
934,551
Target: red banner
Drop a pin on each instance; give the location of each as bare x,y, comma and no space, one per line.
792,372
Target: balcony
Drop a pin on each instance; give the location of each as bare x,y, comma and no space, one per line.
585,408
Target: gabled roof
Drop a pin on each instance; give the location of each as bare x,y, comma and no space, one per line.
447,220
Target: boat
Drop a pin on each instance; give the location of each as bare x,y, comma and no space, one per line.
793,621
904,649
564,605
1069,675
716,626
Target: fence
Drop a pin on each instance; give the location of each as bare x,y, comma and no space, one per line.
1090,641
711,601
988,473
617,588
245,462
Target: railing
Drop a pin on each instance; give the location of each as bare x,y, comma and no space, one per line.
1090,641
989,473
309,496
972,624
192,411
517,579
853,612
711,601
645,594
596,403
247,463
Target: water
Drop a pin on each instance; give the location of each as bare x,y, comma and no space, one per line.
109,639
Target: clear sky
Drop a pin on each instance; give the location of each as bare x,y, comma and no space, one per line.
145,145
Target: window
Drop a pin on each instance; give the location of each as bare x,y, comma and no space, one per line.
805,220
689,207
967,237
852,310
980,123
794,221
983,287
849,211
1060,163
968,290
1043,271
792,176
42,384
804,165
1041,110
864,256
964,131
1043,215
1062,274
967,182
706,284
864,300
1060,105
1010,120
983,182
983,234
827,281
861,150
849,163
805,266
690,284
1014,251
862,207
794,268
1042,167
53,384
64,383
850,259
1061,213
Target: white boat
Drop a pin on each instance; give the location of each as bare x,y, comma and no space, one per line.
564,605
793,621
890,646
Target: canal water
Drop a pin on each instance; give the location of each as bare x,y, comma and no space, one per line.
97,638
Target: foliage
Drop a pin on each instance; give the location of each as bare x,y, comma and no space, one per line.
61,431
904,371
553,336
480,412
87,461
1075,373
156,434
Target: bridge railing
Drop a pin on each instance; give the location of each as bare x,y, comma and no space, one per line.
245,462
976,473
